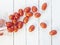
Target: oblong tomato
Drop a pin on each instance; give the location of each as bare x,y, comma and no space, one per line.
20,24
44,6
29,14
21,12
27,9
26,19
53,32
9,24
31,28
34,9
43,25
37,15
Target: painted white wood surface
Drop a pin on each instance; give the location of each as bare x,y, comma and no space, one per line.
55,21
45,38
6,8
23,36
19,37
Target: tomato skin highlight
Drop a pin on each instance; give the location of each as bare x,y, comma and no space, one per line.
21,12
53,32
34,9
9,24
27,9
37,15
29,14
44,6
43,25
20,24
26,19
31,28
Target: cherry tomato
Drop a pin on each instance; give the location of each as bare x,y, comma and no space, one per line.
44,6
20,24
37,15
21,12
31,28
43,25
29,14
11,17
27,9
53,32
14,21
26,19
10,29
16,16
15,28
9,24
34,9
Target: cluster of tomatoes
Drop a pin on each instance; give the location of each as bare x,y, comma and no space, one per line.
15,24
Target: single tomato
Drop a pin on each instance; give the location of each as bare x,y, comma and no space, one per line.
11,17
34,9
9,24
53,32
31,28
27,9
44,6
10,29
37,15
29,14
20,24
21,12
43,25
26,19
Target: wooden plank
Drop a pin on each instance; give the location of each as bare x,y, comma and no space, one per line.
19,37
55,21
32,37
6,8
45,38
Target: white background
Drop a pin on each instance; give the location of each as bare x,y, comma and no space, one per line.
39,36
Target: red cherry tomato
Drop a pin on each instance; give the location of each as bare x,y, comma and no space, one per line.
10,29
37,15
44,6
20,24
21,12
27,9
31,28
11,17
43,25
34,9
14,21
15,28
53,32
29,14
26,19
9,24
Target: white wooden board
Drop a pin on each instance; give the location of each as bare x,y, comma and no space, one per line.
39,36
